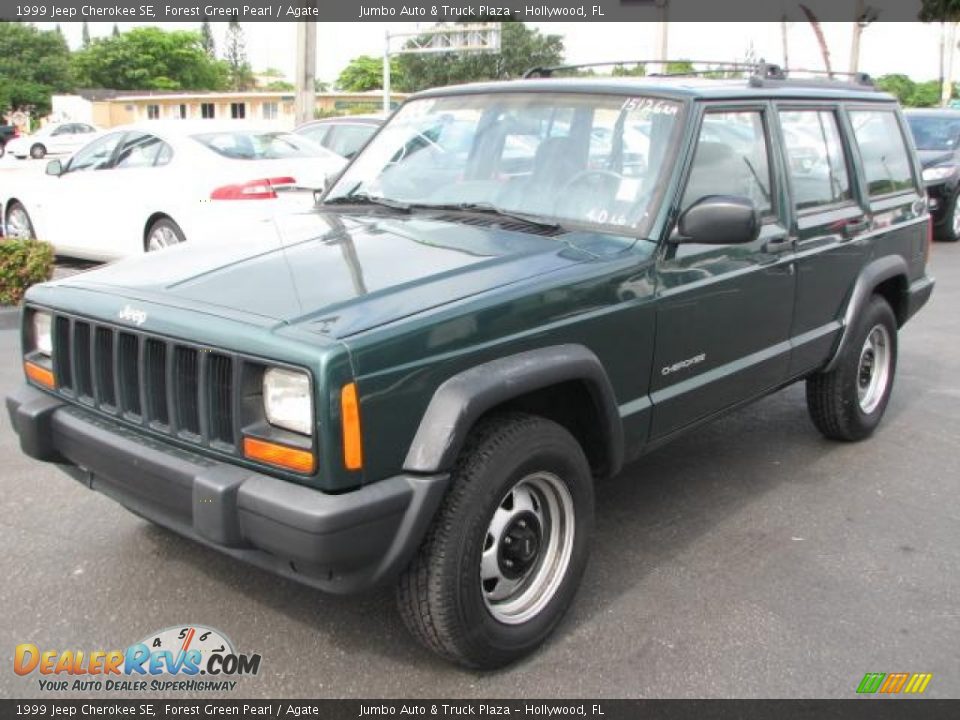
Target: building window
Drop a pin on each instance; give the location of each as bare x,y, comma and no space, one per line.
182,112
207,111
238,111
153,112
270,111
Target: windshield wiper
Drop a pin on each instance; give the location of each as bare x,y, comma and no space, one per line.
368,199
491,209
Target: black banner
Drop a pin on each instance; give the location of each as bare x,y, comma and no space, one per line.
450,10
868,709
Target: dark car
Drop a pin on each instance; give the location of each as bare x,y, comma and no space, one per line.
513,290
936,134
7,132
342,135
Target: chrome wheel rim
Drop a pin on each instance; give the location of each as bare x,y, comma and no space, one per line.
873,372
527,548
955,218
18,224
161,237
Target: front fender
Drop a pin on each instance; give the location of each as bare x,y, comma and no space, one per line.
461,400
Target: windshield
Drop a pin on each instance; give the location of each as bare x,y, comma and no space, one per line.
585,159
934,133
239,145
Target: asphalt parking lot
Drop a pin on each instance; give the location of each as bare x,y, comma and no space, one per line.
751,558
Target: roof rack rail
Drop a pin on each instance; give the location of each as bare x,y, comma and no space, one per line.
760,73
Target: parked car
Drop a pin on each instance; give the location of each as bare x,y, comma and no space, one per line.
7,133
342,135
52,139
936,134
147,186
423,381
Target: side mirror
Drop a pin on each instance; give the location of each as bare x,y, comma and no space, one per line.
718,220
55,167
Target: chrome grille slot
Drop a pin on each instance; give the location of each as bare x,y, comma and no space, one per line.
129,373
155,359
186,389
103,366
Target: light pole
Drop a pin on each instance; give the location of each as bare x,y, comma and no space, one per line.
864,16
306,97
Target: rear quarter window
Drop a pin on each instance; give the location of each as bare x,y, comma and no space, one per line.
259,146
886,162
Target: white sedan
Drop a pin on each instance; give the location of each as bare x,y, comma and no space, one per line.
144,187
53,139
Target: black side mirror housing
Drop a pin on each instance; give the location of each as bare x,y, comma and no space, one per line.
55,168
718,220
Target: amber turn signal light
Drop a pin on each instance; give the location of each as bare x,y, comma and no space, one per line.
350,418
39,375
282,456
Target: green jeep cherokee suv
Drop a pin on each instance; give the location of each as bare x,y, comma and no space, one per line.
511,291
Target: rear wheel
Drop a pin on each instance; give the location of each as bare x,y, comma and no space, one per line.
163,233
505,554
848,402
18,224
38,151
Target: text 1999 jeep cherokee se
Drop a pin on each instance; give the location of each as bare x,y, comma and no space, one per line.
511,291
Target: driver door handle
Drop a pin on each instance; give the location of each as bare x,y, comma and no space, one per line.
855,227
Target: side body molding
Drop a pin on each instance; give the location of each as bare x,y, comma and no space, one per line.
461,400
874,273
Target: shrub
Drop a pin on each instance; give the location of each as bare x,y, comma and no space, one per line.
23,263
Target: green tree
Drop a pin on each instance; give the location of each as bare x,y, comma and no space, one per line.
899,85
206,38
148,58
638,70
240,76
680,67
321,86
33,65
366,73
520,49
85,34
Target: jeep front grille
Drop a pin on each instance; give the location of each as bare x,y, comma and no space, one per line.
172,387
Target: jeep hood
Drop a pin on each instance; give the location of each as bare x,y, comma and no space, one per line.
342,274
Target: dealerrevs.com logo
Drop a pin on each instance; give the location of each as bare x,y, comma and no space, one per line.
187,658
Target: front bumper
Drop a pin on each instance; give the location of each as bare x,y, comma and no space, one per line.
340,543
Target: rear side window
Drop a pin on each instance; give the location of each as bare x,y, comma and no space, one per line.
259,146
731,158
346,140
885,160
818,168
138,150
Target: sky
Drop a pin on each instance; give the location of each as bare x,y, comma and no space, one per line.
911,48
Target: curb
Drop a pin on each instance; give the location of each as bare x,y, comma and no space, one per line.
9,318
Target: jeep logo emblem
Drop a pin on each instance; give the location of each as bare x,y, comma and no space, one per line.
131,314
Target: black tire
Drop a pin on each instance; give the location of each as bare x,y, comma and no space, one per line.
164,226
3,149
38,151
17,207
834,398
440,595
949,229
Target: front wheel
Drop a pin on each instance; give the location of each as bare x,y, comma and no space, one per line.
38,152
18,223
504,556
848,402
950,229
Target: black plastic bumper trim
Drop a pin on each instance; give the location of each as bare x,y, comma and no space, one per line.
339,543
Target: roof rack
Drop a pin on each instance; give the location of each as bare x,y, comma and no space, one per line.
760,73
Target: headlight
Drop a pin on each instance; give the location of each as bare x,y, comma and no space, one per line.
287,400
42,339
936,174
